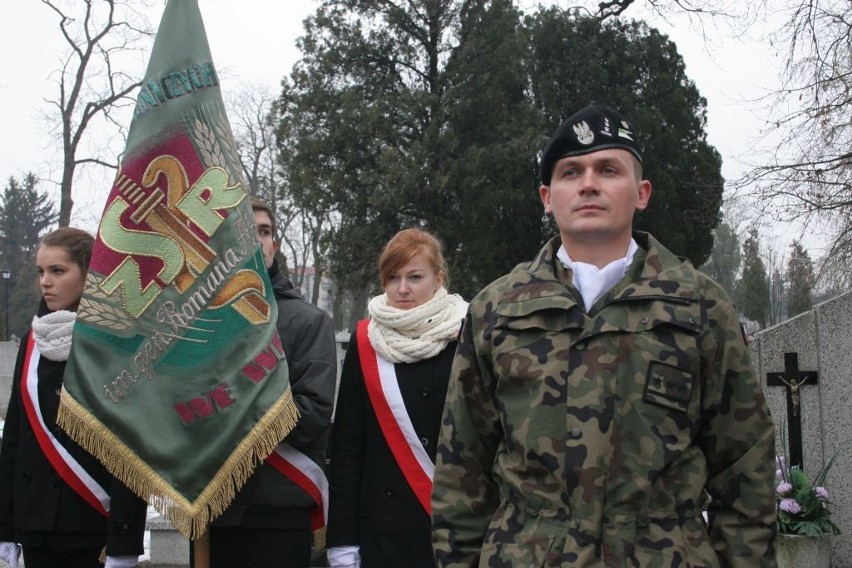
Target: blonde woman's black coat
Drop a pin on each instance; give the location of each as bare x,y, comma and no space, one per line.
372,505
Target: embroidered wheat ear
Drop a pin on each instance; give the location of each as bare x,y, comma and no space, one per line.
207,144
220,124
95,309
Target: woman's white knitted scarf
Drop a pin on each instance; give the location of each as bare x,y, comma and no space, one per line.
52,334
406,336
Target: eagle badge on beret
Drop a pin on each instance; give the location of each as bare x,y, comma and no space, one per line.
584,133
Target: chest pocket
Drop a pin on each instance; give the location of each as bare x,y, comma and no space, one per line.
546,313
534,329
657,343
531,347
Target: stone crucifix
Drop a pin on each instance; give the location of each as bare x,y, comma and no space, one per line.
792,379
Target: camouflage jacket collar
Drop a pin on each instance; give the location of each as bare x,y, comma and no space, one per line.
656,273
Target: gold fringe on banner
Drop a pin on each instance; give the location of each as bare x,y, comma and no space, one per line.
190,519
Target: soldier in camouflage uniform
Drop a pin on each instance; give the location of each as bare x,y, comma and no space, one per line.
602,395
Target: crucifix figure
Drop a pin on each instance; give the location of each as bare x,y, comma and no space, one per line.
792,380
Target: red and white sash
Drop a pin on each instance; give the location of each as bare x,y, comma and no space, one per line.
304,472
383,389
64,463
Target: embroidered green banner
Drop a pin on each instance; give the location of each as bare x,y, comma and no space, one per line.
177,379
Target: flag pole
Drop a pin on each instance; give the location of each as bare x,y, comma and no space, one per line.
201,551
177,285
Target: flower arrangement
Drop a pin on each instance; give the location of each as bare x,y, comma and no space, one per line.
802,503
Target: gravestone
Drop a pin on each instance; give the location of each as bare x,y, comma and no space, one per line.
822,342
793,380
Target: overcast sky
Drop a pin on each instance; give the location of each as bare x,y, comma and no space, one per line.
254,41
251,41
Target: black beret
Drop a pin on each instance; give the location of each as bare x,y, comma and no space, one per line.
589,130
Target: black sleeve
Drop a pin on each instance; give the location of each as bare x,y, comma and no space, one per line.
126,525
347,452
311,353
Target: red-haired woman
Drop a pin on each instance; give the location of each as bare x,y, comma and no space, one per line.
391,398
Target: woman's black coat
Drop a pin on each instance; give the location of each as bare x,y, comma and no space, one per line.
372,505
37,508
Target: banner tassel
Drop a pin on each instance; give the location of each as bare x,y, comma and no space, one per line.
190,519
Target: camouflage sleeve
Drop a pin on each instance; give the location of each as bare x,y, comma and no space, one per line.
464,495
738,439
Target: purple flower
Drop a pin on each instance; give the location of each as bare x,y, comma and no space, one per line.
780,461
779,474
783,488
789,506
821,493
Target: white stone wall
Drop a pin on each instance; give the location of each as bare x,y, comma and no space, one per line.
823,340
8,353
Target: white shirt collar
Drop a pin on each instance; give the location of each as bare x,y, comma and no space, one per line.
594,282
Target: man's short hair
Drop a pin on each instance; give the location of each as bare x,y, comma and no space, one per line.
257,204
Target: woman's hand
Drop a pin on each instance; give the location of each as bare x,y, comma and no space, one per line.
344,557
121,561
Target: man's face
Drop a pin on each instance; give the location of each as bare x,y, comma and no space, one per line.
593,198
264,232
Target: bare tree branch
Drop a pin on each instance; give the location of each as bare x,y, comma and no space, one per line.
101,35
299,229
809,172
666,8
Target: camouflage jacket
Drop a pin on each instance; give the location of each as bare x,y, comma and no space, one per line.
575,439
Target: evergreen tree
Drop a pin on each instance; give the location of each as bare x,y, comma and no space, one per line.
432,114
636,69
753,286
488,151
800,278
414,114
25,214
777,297
353,118
724,262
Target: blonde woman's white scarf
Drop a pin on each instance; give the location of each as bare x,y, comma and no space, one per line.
406,336
52,334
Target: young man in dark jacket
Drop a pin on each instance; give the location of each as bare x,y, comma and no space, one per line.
269,523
